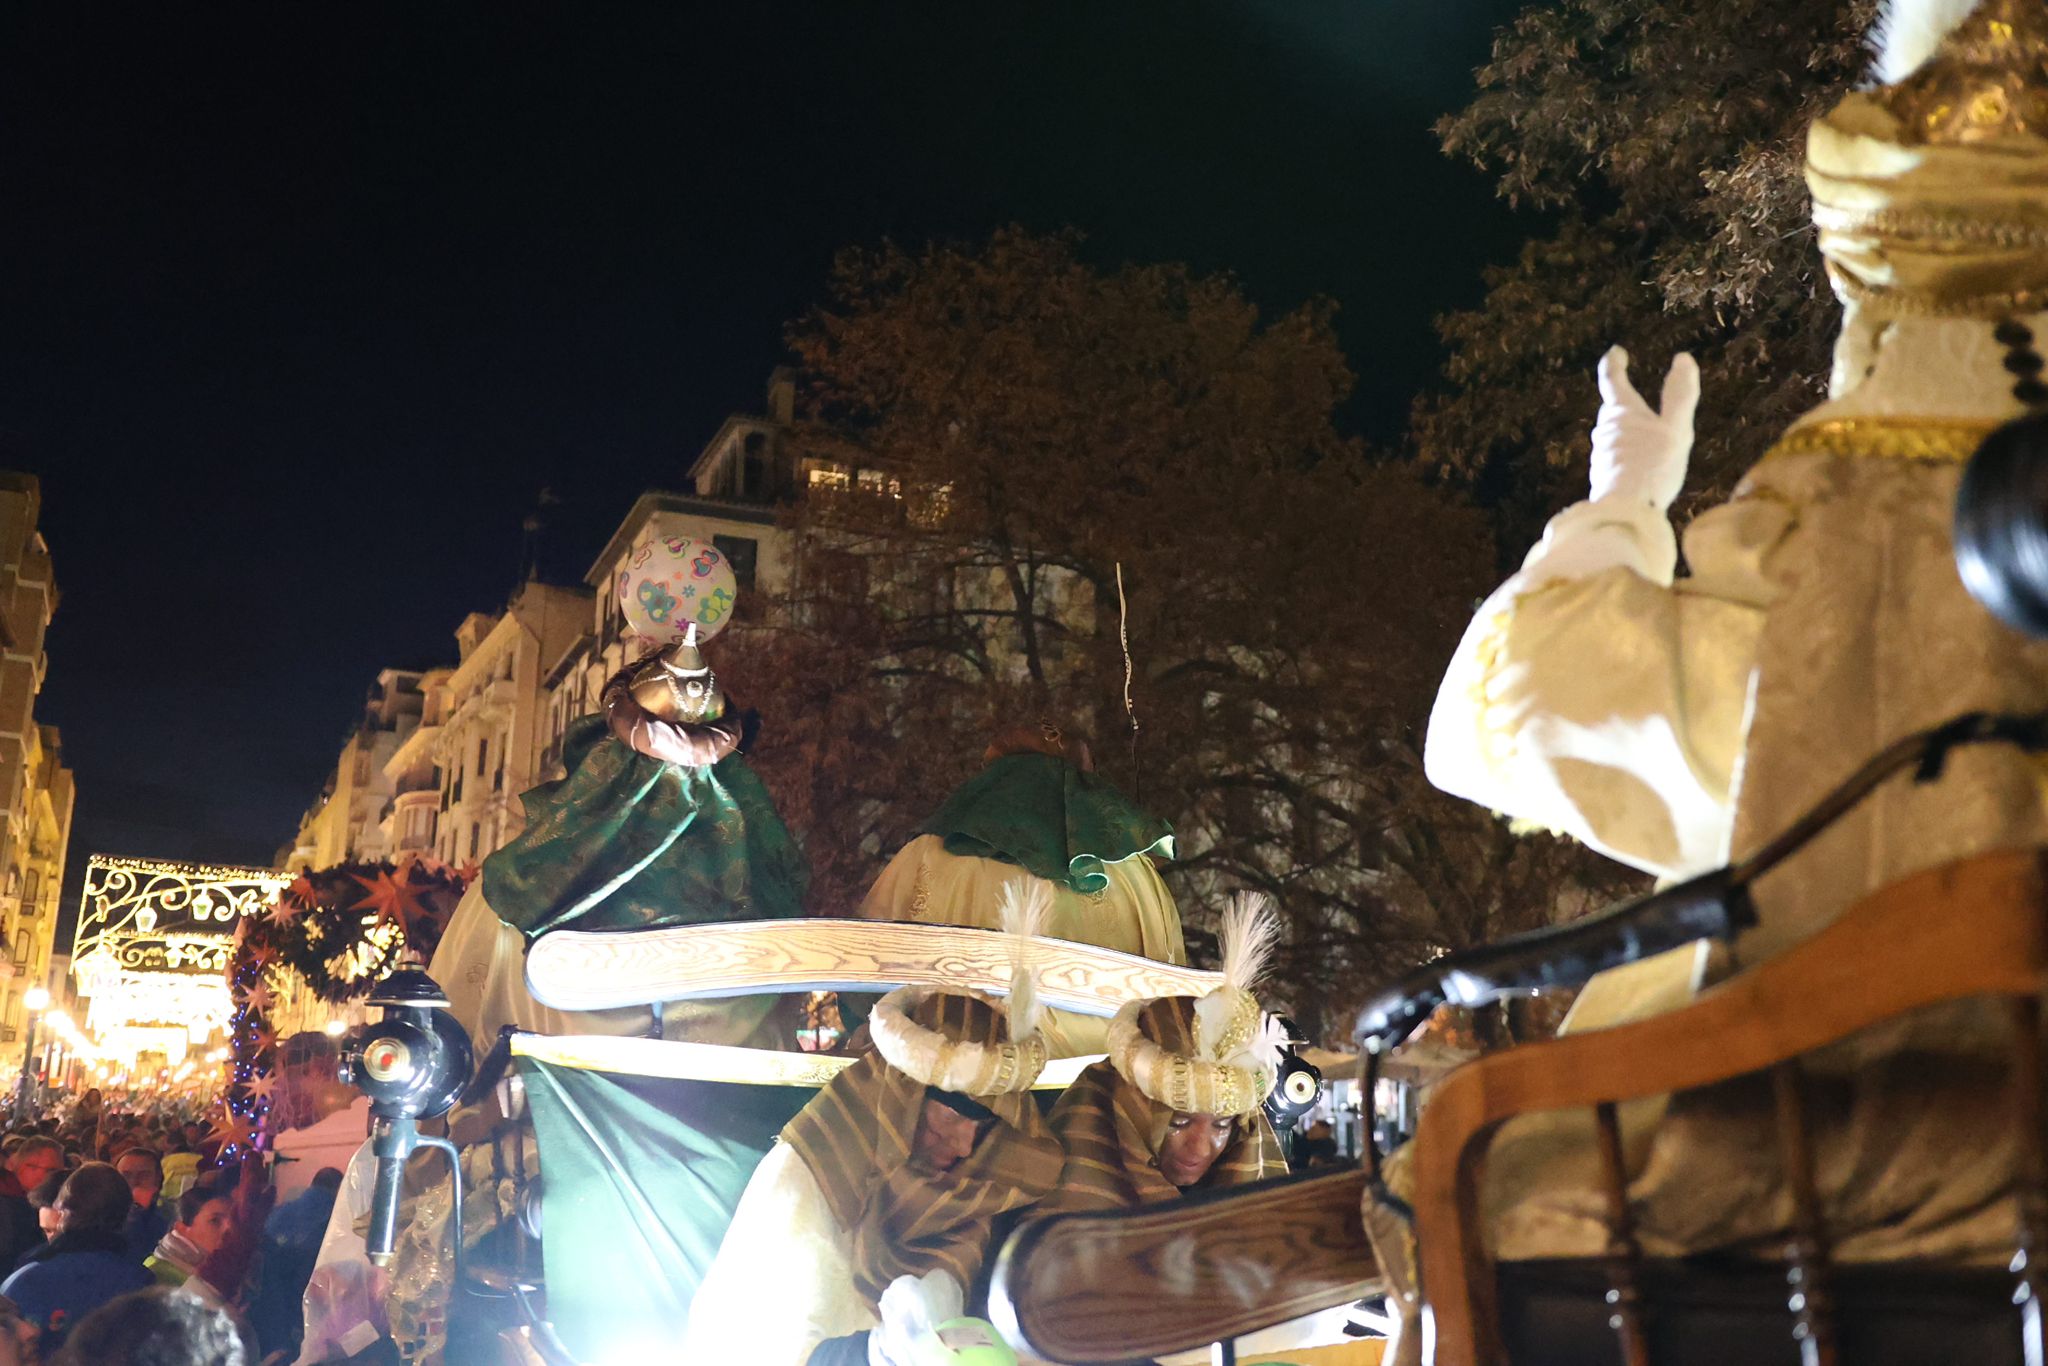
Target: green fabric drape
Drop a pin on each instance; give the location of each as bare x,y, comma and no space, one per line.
643,1175
625,842
1048,817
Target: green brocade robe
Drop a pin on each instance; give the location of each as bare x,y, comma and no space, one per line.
626,842
1050,819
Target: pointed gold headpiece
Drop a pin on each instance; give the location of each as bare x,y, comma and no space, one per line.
1931,194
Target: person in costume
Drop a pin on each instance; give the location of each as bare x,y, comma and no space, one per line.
1175,1107
1676,722
1038,805
658,821
872,1220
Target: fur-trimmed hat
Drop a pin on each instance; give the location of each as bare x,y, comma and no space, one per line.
976,1068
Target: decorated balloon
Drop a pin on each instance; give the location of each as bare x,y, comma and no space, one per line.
673,583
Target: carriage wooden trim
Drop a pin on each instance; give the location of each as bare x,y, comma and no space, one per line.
1124,1285
679,1060
1972,928
577,970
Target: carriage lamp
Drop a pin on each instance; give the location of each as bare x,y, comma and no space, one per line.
413,1064
1297,1085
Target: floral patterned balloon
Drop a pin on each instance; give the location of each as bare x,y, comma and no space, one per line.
673,583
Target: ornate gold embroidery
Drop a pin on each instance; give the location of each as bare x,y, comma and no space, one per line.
1933,439
920,892
1243,1021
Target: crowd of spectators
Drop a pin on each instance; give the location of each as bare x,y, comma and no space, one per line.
121,1228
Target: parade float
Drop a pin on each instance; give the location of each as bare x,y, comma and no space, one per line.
612,1011
1796,1113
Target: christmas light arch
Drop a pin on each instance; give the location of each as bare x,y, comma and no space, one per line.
153,940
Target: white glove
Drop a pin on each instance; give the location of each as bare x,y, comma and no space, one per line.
912,1308
1640,454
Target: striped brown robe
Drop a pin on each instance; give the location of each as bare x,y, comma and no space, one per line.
903,1220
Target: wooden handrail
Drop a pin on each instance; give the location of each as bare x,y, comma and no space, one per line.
1975,927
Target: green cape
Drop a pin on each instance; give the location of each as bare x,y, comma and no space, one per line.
625,842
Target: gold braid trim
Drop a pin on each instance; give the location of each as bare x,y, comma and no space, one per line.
1193,1086
1945,440
1928,303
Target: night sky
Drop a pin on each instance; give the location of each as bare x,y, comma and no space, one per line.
302,305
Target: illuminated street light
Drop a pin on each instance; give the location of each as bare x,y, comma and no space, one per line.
336,1028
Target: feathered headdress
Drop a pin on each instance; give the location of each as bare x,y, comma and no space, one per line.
970,1068
1237,1048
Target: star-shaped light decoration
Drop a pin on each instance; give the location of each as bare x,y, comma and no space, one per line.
260,996
384,896
266,1039
233,1131
285,911
301,890
417,915
260,1086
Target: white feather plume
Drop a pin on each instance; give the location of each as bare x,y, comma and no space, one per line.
1249,935
1025,909
1908,32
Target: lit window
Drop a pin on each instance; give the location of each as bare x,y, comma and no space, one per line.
830,477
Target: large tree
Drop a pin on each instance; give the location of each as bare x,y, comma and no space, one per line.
1660,145
1026,462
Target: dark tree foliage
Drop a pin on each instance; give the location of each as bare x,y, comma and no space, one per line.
1661,144
1031,425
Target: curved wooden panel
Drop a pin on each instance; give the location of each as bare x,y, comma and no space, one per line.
1130,1284
571,970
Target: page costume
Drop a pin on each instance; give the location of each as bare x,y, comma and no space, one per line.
840,1210
1212,1055
1112,1130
